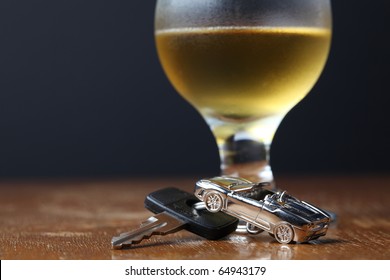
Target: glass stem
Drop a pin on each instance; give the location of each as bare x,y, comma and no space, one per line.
246,158
244,147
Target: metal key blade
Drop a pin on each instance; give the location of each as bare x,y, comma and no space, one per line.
152,224
160,224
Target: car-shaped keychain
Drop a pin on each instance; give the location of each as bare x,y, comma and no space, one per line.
263,209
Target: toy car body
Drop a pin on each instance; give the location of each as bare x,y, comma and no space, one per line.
283,216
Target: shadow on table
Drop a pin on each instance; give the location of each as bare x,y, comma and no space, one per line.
234,246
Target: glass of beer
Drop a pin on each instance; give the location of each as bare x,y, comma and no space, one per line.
243,64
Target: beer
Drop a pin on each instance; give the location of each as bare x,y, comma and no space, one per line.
243,73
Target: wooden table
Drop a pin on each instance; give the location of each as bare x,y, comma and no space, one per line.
75,219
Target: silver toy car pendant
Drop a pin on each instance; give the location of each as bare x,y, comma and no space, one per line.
263,209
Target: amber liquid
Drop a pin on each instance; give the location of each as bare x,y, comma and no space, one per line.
241,73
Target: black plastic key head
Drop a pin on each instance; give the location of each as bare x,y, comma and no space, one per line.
179,204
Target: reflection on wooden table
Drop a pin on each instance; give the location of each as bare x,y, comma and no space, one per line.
77,219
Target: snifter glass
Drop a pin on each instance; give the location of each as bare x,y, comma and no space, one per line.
243,64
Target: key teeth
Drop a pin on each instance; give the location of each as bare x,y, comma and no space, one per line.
118,242
128,243
138,240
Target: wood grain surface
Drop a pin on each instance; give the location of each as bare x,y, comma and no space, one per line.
76,219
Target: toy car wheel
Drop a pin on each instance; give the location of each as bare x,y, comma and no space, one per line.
284,233
252,229
213,202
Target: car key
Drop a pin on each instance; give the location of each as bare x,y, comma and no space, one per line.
175,211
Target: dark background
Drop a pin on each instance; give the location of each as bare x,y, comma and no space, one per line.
82,94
